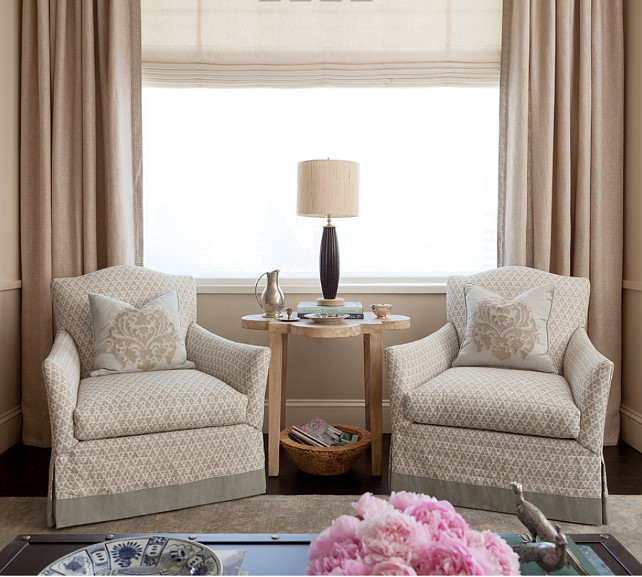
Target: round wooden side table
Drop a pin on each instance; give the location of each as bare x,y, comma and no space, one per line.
372,330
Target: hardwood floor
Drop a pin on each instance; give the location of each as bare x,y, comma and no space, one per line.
24,471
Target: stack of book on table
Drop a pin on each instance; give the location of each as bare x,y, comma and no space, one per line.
319,434
355,310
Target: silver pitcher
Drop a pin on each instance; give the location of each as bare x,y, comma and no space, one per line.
272,300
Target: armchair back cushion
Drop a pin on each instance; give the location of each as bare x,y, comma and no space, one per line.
131,284
568,312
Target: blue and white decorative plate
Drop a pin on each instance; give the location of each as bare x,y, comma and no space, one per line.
153,555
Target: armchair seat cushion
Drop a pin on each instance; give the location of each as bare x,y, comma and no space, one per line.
504,400
154,402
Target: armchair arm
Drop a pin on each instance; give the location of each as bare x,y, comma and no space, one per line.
412,364
243,367
61,370
589,375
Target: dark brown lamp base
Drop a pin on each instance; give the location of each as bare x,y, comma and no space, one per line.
329,267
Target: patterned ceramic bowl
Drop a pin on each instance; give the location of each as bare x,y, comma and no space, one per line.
154,555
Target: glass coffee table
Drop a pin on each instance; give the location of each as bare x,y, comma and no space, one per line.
284,554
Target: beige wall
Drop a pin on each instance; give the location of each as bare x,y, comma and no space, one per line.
325,376
10,419
632,295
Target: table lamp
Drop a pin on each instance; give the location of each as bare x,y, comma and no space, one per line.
328,189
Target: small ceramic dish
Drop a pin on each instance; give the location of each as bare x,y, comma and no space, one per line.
327,318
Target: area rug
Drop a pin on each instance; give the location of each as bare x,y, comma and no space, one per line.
290,514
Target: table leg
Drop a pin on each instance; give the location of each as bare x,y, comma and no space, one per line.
276,340
366,376
373,381
284,376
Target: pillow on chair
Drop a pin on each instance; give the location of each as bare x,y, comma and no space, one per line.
127,339
512,334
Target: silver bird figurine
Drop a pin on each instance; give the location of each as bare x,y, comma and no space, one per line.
532,518
549,556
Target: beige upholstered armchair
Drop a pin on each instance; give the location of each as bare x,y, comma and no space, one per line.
134,443
464,433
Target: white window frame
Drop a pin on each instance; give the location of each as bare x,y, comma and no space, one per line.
347,285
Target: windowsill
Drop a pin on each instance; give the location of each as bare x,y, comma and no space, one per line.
306,286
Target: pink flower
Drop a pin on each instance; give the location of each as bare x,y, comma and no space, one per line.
355,567
370,505
403,500
342,559
393,567
412,534
392,534
440,517
474,540
343,529
449,556
507,559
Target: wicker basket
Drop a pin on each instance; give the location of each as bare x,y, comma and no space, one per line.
327,460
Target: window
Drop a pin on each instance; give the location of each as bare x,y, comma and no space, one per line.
220,179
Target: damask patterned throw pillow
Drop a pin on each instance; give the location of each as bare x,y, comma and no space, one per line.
127,339
507,333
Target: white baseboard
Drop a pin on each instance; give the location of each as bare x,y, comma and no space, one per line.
631,427
344,411
10,428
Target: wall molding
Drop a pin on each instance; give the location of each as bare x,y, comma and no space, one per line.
9,285
10,414
631,427
632,285
344,411
10,428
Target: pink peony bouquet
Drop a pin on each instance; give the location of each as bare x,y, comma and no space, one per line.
411,534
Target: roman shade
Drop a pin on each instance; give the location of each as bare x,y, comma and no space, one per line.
310,43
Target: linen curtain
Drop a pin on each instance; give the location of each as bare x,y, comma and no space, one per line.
561,155
80,175
302,44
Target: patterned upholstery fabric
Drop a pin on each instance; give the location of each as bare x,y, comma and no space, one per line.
168,431
131,284
589,373
522,402
127,464
412,364
119,405
490,426
570,301
243,367
62,375
489,458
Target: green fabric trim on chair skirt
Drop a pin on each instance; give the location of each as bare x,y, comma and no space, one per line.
81,510
559,507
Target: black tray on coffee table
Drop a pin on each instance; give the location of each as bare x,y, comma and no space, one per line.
283,554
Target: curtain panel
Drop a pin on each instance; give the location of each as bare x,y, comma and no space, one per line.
80,157
262,43
561,155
